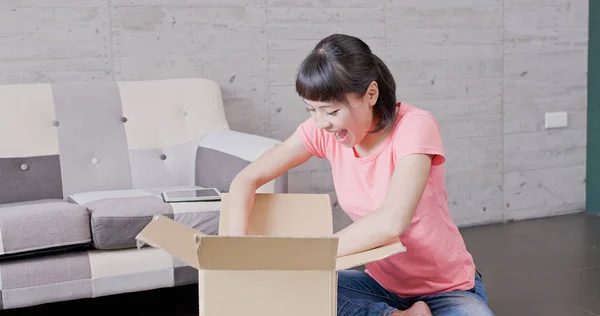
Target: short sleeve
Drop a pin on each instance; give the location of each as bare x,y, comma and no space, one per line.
314,139
419,134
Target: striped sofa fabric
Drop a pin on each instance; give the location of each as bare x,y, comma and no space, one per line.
82,168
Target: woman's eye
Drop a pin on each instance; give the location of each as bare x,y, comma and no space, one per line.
332,113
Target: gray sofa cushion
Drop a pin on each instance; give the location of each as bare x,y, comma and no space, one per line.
116,221
221,155
217,169
30,179
118,216
42,224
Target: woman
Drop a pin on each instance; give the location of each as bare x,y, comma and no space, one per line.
387,163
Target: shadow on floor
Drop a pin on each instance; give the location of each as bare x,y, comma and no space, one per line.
179,301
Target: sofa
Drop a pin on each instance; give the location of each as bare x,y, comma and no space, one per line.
82,168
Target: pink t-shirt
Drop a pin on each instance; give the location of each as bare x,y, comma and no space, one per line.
436,259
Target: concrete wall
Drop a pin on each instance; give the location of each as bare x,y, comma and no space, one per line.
487,69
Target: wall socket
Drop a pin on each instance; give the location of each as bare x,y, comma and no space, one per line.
556,120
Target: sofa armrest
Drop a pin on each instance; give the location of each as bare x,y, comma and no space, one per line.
223,153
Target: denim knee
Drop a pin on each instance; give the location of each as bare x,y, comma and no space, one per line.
361,307
468,309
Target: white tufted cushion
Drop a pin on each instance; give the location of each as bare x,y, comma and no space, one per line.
167,113
26,121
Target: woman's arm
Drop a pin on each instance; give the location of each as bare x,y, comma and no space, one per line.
396,212
287,155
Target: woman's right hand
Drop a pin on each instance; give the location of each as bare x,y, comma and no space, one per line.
275,162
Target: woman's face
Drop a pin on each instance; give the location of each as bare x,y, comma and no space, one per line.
348,123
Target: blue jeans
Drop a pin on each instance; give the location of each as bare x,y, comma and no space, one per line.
361,295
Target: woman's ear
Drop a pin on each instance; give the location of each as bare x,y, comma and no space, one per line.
372,93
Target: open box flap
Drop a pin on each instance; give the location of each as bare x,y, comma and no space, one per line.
267,253
175,238
289,214
357,259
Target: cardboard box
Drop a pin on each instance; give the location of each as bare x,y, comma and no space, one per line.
287,265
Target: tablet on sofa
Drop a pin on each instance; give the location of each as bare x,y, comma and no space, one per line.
191,195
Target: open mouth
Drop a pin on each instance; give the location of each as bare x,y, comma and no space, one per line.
341,135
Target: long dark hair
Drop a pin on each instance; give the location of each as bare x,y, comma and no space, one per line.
341,64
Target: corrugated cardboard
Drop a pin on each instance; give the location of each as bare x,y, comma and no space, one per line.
285,266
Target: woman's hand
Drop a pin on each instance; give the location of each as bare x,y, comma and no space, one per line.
275,162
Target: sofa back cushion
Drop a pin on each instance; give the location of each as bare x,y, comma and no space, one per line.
64,138
216,169
29,160
222,154
166,119
92,141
